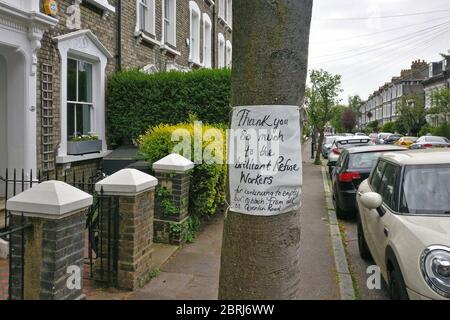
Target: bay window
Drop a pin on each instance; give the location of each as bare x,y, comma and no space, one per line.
79,98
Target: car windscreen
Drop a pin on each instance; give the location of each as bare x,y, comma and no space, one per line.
426,190
366,160
330,140
436,139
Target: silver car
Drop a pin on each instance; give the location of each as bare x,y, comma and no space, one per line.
429,142
344,143
327,143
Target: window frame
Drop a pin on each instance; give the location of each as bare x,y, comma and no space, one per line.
150,5
171,21
221,63
228,54
207,50
194,33
77,103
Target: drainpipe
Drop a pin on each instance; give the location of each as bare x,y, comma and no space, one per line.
214,34
119,35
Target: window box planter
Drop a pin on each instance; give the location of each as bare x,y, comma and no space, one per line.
84,147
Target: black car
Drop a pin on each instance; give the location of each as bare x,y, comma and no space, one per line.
393,138
353,167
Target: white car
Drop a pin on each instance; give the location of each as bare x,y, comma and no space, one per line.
404,222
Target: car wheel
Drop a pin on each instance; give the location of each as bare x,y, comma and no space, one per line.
340,214
397,287
364,251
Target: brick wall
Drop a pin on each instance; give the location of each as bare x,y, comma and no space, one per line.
135,54
105,30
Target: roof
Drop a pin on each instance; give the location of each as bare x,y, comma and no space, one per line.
353,138
419,157
387,148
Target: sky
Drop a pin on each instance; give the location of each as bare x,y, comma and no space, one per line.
368,42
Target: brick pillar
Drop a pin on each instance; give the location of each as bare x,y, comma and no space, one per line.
53,244
172,200
135,191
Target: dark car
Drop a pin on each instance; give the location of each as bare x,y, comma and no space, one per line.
345,143
428,142
353,167
393,138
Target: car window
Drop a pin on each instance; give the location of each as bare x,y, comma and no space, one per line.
341,160
377,174
434,139
425,190
387,186
366,160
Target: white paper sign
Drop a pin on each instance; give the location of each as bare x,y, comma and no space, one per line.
265,160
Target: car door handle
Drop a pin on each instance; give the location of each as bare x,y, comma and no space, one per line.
359,193
386,232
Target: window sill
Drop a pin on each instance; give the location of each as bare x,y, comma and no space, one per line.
168,49
193,63
143,37
70,159
225,23
104,5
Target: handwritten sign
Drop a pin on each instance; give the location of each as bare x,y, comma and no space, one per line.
264,157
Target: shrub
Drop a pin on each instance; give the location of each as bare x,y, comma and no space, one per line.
442,131
207,191
426,129
389,127
137,101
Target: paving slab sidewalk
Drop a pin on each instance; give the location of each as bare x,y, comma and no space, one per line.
193,274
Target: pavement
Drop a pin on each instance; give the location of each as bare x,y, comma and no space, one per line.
193,272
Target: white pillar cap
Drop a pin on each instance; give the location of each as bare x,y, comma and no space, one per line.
126,182
173,162
50,199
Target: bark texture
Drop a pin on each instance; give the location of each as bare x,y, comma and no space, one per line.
261,255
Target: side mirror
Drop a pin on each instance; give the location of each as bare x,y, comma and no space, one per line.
371,200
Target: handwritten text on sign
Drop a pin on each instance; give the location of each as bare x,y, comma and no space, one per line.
264,154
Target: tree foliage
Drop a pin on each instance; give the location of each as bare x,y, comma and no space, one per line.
321,99
440,103
412,113
348,119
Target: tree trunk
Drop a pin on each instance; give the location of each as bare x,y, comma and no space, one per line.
261,255
319,146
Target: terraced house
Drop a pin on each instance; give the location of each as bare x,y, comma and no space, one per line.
56,55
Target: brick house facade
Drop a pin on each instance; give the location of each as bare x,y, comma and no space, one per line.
71,53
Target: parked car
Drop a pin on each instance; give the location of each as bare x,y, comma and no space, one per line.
360,134
404,222
406,141
327,143
354,166
382,136
427,142
392,139
344,143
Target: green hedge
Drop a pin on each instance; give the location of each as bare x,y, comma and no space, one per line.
442,131
207,191
137,101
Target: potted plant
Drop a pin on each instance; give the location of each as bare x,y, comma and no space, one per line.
84,144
